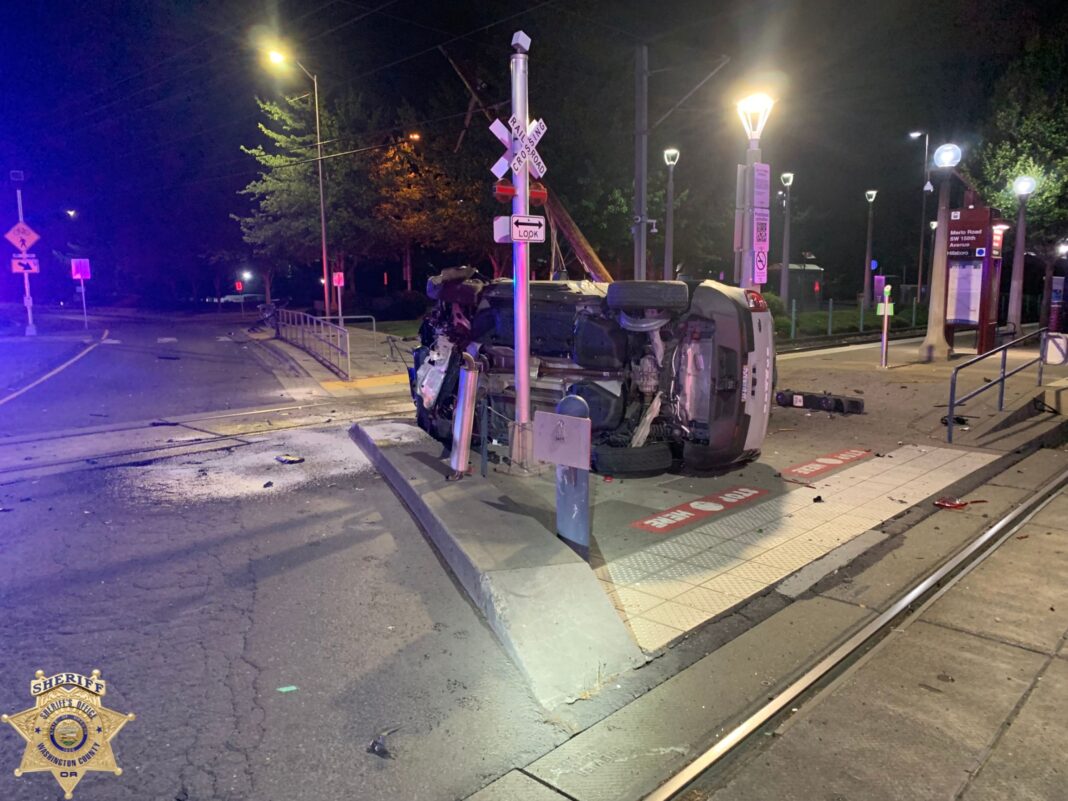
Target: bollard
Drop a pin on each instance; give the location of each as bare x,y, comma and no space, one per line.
573,490
793,318
830,316
483,433
914,304
464,419
861,318
887,309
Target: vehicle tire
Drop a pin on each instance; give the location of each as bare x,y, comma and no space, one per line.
652,458
667,295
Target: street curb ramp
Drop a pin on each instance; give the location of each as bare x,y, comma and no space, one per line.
539,598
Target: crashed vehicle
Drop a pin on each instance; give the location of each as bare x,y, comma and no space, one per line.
669,369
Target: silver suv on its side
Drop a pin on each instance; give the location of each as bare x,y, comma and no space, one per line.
669,369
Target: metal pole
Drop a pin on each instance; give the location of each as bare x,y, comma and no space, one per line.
85,313
739,222
867,257
340,319
1044,314
1001,382
884,351
830,316
322,198
669,223
923,216
752,156
935,345
1016,284
27,298
522,440
793,319
641,156
915,303
784,276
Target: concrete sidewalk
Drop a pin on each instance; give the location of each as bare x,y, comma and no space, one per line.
967,702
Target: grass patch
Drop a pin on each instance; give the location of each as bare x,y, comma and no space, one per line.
845,321
395,328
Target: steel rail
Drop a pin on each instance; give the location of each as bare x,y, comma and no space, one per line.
967,559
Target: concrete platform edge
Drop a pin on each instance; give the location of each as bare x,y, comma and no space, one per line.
553,620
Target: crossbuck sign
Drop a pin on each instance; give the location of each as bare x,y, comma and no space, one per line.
522,146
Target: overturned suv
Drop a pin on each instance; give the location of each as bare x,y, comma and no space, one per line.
669,369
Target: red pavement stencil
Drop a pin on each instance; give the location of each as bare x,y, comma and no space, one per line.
687,513
824,463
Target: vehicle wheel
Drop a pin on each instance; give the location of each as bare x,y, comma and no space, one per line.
667,295
652,458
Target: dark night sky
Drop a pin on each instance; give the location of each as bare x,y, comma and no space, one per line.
132,112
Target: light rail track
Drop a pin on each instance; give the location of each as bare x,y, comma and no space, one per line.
905,609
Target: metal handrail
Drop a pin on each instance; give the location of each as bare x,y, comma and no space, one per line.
1000,381
325,342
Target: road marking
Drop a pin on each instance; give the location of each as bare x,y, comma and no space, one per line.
111,342
690,512
59,369
822,464
163,340
370,381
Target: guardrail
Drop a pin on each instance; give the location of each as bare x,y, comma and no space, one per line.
999,382
324,341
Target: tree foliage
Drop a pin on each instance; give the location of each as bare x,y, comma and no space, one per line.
1028,135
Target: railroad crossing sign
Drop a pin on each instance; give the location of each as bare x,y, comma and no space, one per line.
25,263
22,236
522,146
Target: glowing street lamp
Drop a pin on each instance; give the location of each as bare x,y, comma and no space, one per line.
246,276
1022,187
753,111
935,345
787,179
278,59
671,158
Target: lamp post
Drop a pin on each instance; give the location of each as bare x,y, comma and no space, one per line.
753,112
866,300
671,158
1023,187
935,345
927,187
787,179
277,57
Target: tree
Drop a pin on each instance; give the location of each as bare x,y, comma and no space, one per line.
1028,135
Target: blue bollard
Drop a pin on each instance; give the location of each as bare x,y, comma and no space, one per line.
573,490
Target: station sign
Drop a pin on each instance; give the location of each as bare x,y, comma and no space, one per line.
761,185
968,233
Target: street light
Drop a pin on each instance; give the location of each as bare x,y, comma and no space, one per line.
753,111
927,187
278,58
1022,187
671,158
246,276
72,213
934,345
866,300
787,179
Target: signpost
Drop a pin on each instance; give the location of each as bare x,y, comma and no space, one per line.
80,271
339,282
520,139
761,239
23,237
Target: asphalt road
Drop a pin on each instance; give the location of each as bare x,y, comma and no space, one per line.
149,369
205,586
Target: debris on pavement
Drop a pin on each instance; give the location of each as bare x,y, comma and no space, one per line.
289,688
286,458
377,746
818,499
169,358
158,423
950,503
268,484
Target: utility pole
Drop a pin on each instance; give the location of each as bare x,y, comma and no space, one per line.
641,156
